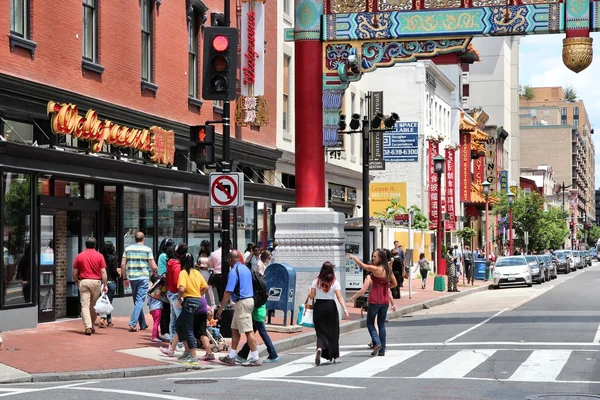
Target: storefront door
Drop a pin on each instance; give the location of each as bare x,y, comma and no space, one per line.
64,228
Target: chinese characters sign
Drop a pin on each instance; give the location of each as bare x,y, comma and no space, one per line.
450,184
434,185
465,168
504,181
65,120
402,145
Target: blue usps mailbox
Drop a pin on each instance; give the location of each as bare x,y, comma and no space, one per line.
281,283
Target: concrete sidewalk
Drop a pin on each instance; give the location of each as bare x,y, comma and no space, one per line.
60,351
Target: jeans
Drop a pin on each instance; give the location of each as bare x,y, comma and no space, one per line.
139,290
185,321
175,311
379,311
262,331
424,274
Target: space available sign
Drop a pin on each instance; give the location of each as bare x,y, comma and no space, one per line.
402,145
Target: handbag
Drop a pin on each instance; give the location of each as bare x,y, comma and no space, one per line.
305,315
158,291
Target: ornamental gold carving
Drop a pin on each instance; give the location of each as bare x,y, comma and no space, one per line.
347,6
577,53
395,5
489,3
442,3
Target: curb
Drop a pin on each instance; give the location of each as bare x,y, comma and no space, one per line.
280,345
310,338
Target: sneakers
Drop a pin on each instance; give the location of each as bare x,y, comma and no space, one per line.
239,360
318,357
208,357
180,346
189,360
88,332
227,360
167,352
184,355
252,363
155,340
376,350
271,360
166,337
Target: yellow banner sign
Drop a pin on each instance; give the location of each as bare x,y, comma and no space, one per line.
381,195
65,120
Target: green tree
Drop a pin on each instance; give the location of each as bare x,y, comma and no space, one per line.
465,235
593,235
420,221
527,92
553,228
570,93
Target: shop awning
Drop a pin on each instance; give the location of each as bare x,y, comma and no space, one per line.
477,196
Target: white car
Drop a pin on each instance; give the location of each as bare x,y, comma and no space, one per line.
512,270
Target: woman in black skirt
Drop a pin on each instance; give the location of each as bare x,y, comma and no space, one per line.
325,288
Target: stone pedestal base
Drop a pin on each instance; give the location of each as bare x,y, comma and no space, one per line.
307,238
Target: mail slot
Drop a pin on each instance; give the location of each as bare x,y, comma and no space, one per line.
281,283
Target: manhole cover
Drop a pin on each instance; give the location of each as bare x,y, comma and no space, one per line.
563,396
196,381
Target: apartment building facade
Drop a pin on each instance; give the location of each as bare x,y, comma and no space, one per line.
558,132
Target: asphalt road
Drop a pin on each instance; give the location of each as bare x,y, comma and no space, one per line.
514,343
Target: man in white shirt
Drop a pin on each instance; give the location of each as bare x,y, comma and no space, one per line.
214,263
254,258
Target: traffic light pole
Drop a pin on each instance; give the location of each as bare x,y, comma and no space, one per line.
226,167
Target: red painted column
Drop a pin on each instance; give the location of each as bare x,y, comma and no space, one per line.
310,156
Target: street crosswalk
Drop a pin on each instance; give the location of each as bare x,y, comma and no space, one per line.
518,365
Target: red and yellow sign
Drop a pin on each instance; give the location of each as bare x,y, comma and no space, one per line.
434,185
450,197
65,120
465,167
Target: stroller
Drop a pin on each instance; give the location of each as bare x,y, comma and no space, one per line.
217,341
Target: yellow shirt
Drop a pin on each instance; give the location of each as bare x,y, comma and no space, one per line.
193,283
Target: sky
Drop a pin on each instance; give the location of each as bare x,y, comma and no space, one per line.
540,64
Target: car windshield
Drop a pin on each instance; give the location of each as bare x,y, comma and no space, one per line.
510,262
531,259
560,255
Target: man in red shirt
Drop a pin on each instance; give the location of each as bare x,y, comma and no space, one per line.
89,271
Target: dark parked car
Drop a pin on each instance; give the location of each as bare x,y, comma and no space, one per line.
563,264
550,266
538,268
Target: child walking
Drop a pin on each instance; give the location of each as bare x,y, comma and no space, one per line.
156,312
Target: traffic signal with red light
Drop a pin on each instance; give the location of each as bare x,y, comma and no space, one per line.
220,63
202,149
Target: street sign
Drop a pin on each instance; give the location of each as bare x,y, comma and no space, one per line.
226,189
401,219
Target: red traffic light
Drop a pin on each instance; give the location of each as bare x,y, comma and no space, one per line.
220,43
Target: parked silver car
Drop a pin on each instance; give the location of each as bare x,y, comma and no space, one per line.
512,270
551,266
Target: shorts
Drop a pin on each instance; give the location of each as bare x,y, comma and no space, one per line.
242,316
199,326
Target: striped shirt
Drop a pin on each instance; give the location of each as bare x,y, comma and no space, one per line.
137,256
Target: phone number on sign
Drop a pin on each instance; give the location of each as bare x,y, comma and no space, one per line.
405,152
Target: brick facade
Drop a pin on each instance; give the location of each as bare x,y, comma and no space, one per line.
60,258
57,30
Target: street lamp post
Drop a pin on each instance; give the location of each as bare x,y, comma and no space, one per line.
411,217
486,193
439,163
511,202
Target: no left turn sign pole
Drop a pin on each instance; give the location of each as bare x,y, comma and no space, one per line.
226,189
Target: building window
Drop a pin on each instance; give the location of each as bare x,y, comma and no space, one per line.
563,115
19,21
576,115
16,245
147,40
198,223
245,225
171,218
138,215
286,91
193,57
286,7
90,30
18,132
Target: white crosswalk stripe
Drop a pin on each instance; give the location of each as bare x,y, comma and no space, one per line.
459,365
542,366
518,365
375,365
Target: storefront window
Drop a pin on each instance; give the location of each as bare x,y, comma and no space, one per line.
43,186
245,225
198,223
264,225
17,239
67,189
109,213
18,132
171,218
138,211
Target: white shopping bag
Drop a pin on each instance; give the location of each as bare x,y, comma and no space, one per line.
103,306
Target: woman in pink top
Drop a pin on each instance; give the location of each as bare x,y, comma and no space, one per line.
382,280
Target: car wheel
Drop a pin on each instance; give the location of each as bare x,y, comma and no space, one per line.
496,287
529,284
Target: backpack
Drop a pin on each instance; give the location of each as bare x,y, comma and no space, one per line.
258,286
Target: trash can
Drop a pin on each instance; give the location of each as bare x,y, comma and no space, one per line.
480,270
439,284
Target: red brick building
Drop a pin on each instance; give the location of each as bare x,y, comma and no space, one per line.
138,65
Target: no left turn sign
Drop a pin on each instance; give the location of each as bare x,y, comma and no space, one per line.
226,190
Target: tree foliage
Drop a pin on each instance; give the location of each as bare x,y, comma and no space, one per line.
570,93
593,235
546,229
527,92
465,234
420,221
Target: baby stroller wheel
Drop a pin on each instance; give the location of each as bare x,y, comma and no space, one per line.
226,347
215,349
